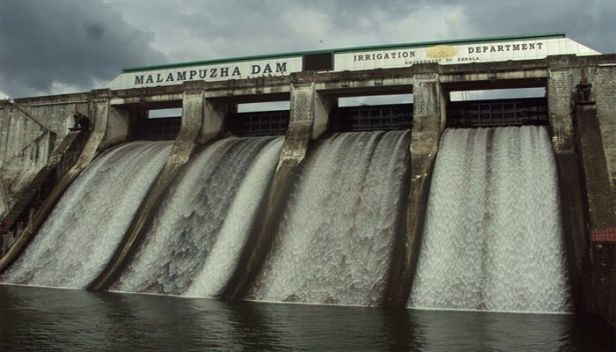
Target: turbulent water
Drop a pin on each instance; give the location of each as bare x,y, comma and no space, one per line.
87,224
197,236
493,236
492,239
335,241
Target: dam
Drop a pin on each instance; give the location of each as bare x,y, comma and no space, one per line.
429,202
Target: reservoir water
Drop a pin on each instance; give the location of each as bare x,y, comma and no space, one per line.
43,319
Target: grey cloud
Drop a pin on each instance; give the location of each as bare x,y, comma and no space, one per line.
70,43
227,28
237,28
591,23
79,43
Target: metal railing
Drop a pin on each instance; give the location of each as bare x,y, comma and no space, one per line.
503,112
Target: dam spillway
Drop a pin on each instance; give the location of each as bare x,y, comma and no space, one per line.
88,223
334,244
34,129
493,238
197,235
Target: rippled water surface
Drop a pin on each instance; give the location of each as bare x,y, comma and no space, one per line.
41,319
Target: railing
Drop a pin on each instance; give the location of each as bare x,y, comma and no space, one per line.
159,129
371,118
505,112
263,123
484,113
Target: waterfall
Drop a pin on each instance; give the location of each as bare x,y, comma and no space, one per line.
335,242
196,238
86,226
493,236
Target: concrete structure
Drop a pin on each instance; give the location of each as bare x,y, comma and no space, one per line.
582,136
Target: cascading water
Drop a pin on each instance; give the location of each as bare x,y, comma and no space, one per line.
493,236
334,244
198,233
84,229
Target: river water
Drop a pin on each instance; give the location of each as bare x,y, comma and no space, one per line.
43,319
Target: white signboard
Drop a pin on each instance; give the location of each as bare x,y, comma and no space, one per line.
207,72
460,54
355,59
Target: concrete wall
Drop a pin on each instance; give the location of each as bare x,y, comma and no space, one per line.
30,129
600,205
603,78
428,121
604,93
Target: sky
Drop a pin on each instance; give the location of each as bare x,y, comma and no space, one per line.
68,46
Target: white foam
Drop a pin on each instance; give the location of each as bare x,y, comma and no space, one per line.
493,234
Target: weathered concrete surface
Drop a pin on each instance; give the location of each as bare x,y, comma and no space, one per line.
118,128
603,227
598,185
604,271
29,198
98,112
29,132
428,119
561,94
601,205
305,108
574,221
193,109
69,144
604,90
560,91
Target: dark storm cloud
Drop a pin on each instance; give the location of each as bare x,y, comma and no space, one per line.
47,45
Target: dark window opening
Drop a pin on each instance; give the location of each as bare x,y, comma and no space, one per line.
502,112
157,124
372,118
258,123
318,62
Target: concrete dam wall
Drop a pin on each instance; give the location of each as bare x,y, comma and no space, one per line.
317,216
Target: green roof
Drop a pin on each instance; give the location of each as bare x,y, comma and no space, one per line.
343,50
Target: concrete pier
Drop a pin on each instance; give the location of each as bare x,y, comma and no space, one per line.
428,122
561,99
307,121
601,208
194,129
